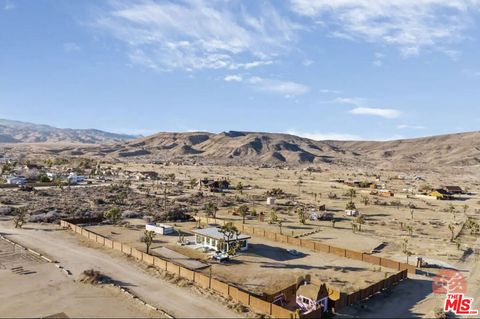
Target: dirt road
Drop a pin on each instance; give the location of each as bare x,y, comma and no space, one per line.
66,248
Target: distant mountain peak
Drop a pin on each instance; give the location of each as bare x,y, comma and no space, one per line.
12,131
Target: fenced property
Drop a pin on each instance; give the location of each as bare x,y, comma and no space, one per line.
227,290
317,246
261,304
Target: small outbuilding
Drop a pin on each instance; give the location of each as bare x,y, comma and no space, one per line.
312,298
271,201
160,229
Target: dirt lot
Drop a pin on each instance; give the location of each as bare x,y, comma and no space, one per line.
77,254
31,287
265,267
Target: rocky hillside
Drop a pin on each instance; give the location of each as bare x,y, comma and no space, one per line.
233,147
22,132
461,149
246,148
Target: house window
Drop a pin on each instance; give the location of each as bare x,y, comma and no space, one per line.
243,244
198,239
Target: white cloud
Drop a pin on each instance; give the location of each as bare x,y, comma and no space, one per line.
71,47
407,126
317,136
412,25
329,91
287,88
233,78
9,5
198,34
386,113
349,100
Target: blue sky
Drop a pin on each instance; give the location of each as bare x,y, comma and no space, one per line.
346,69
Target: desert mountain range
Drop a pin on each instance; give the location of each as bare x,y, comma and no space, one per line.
23,132
249,148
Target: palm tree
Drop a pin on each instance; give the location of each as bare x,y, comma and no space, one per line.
365,200
239,187
113,214
147,238
230,231
19,219
451,227
280,223
350,206
273,217
352,193
360,221
243,211
410,230
301,215
451,209
211,210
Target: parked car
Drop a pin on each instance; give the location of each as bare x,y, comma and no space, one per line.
326,216
293,252
352,212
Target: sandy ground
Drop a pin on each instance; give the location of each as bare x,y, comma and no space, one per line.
68,249
41,289
265,267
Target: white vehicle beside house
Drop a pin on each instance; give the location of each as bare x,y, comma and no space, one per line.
16,180
352,212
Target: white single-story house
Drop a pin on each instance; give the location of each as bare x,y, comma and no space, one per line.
271,200
212,238
160,229
16,180
73,178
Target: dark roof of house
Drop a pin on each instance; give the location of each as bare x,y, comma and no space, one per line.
442,191
453,188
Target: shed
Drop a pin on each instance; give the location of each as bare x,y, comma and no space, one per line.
312,298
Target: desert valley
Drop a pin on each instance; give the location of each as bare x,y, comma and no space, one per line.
234,224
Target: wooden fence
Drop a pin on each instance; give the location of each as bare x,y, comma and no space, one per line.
345,300
318,246
257,304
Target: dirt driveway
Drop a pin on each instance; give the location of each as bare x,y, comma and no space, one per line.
66,248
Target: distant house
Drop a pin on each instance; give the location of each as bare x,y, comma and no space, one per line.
212,238
454,190
312,299
73,178
271,200
149,175
385,193
16,180
213,186
441,194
